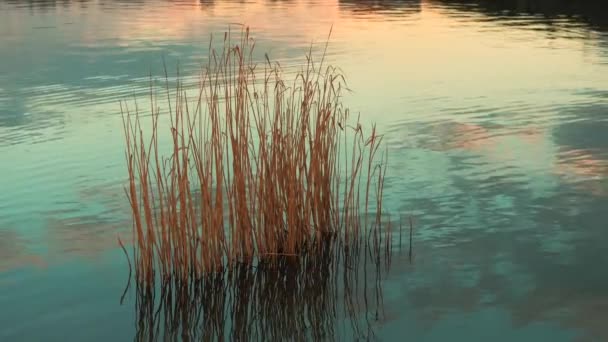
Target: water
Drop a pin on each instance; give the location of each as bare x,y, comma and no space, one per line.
495,114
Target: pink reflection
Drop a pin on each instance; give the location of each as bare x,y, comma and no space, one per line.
580,163
85,236
456,135
582,168
471,137
14,253
476,138
531,135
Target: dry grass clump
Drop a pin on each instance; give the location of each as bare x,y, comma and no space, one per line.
260,168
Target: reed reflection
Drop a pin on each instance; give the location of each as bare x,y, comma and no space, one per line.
332,293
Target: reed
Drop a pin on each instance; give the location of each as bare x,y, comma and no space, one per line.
261,168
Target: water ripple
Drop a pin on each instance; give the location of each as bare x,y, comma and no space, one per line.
494,113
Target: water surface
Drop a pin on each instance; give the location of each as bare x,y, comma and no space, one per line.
496,120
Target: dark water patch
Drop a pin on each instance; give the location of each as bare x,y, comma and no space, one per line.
367,9
592,13
587,129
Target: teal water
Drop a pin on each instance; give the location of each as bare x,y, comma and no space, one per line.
496,120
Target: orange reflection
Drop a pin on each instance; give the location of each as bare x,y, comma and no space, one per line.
196,20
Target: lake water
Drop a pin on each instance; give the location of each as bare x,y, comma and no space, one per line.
495,114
